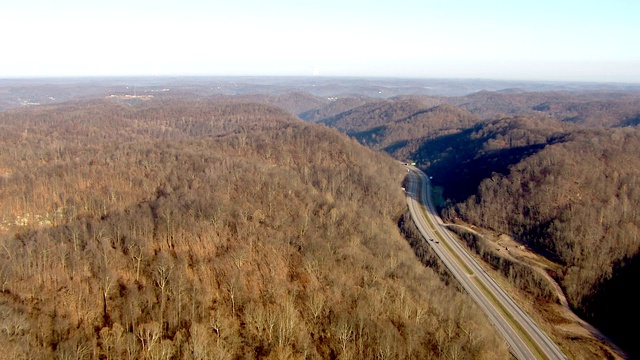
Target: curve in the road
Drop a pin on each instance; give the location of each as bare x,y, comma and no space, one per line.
525,338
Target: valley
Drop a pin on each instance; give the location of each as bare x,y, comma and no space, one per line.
251,217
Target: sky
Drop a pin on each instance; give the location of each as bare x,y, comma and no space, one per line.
556,40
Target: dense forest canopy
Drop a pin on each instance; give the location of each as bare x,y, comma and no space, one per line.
576,200
592,109
556,171
162,220
379,112
211,229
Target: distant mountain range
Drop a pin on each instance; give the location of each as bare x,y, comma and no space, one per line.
19,92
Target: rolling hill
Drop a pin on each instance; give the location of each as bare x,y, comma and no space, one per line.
546,179
211,229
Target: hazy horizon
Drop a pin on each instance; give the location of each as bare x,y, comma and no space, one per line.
571,41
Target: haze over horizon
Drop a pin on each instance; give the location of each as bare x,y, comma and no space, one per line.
589,41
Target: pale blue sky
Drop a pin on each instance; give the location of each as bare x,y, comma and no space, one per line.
497,39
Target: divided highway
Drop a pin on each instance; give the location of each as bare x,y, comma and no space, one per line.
525,338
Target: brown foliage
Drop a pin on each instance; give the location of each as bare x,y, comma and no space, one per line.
377,113
589,108
183,229
573,200
536,172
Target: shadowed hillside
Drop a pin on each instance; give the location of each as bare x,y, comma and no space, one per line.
593,109
555,186
335,106
460,161
575,201
378,113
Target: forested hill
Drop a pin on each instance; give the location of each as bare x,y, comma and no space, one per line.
399,137
578,201
559,174
591,108
459,161
191,229
378,113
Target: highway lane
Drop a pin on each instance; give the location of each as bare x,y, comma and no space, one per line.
526,340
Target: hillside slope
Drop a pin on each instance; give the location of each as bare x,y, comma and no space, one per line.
577,202
220,230
590,108
558,187
461,160
400,137
378,113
